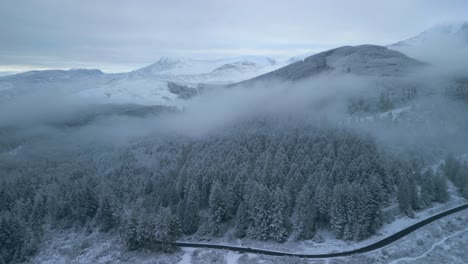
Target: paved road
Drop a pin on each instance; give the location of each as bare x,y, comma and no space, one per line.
382,243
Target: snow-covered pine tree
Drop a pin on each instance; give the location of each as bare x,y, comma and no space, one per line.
129,230
190,209
338,210
404,195
106,216
322,200
451,167
304,214
441,194
259,213
166,228
279,230
242,221
413,193
11,236
217,205
427,194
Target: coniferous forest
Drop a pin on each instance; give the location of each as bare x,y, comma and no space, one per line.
257,180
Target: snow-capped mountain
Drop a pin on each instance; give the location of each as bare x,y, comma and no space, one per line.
452,39
186,66
367,60
227,73
56,81
150,85
297,58
55,75
437,34
145,86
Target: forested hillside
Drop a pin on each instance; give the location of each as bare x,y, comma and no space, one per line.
263,180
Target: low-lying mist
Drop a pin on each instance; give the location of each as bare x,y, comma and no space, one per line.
45,124
448,54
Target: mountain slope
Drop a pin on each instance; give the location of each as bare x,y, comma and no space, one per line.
56,81
444,45
367,60
150,85
145,86
437,33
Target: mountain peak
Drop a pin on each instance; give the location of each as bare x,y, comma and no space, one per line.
453,30
370,60
449,27
171,60
185,66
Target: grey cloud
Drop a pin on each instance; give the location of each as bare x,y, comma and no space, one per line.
106,33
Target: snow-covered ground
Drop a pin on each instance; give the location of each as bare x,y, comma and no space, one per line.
138,91
328,243
444,241
71,247
449,234
393,115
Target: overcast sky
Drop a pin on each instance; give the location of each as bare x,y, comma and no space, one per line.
118,35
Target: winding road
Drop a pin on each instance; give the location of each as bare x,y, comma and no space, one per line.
377,245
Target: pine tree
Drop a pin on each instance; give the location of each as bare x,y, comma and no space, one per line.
217,207
413,194
404,195
441,194
322,200
191,206
427,188
166,228
338,210
304,214
84,204
451,167
129,230
352,195
106,215
373,193
463,180
279,218
242,221
259,213
146,230
36,222
464,190
384,103
11,236
5,198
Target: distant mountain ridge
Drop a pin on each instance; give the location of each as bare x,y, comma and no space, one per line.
187,66
439,32
146,86
149,85
444,46
368,60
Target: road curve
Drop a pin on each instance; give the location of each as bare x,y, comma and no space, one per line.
379,244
